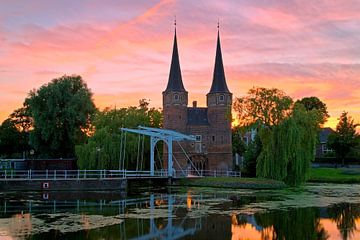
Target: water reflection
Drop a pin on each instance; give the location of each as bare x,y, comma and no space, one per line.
340,221
189,215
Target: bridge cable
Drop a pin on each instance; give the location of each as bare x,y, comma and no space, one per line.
191,162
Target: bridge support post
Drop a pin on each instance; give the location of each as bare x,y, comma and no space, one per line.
170,153
152,157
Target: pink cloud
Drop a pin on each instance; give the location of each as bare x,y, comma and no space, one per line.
304,49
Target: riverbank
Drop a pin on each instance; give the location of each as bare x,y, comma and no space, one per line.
232,182
334,175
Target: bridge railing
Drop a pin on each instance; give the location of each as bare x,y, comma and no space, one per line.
76,174
214,173
106,174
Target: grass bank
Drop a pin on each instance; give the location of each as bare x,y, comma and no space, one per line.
335,175
233,182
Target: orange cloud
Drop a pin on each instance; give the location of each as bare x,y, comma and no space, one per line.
124,54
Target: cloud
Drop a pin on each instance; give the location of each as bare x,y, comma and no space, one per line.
123,48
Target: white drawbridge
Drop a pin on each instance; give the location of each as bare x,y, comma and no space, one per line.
156,135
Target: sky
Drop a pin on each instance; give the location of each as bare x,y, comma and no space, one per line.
122,49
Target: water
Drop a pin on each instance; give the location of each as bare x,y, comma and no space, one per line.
311,212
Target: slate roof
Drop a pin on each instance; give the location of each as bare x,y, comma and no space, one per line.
197,116
219,82
175,80
324,134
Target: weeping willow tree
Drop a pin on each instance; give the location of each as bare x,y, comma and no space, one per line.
287,132
288,148
102,150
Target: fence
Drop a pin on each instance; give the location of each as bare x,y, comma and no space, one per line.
213,173
76,174
105,174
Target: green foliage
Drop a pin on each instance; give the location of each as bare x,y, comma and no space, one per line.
288,148
345,137
238,144
287,134
314,103
251,154
262,106
102,151
62,111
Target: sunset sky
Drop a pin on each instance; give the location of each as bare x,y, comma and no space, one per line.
122,49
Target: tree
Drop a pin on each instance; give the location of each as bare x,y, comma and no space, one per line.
262,106
62,111
250,156
345,137
287,134
22,119
102,149
288,148
314,103
10,139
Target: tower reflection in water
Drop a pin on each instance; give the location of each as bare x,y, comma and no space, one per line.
157,216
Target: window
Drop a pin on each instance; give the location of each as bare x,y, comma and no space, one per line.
325,149
176,97
221,98
198,138
213,138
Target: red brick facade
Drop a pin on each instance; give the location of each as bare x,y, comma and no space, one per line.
211,125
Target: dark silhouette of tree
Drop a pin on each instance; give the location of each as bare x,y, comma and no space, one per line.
314,103
300,223
344,215
344,138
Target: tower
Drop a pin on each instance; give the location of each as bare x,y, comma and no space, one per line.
175,97
219,102
210,125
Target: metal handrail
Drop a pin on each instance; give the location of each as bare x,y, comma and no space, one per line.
101,174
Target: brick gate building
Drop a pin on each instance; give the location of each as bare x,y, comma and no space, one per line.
211,125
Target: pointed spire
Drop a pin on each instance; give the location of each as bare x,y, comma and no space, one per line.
175,80
219,82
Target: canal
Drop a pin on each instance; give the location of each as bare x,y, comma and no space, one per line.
310,212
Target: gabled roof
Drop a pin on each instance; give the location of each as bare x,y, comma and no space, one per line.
175,80
219,82
324,134
197,116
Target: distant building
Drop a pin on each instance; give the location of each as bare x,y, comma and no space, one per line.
322,149
211,125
